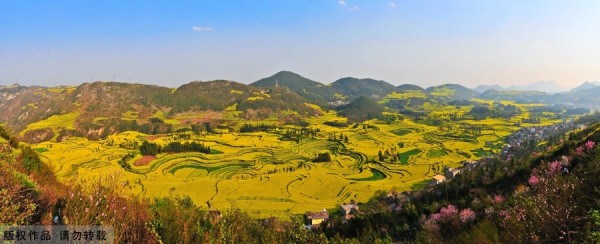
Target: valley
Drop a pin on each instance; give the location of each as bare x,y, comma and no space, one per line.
347,121
269,173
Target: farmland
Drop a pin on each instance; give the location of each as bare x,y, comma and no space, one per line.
266,174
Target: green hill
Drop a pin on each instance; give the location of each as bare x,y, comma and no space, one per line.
409,87
311,90
448,92
527,96
353,88
361,109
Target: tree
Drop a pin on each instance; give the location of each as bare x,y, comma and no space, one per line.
208,128
31,160
323,157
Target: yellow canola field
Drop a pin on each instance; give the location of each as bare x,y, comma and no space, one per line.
266,176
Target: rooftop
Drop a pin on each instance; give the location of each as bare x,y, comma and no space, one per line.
317,215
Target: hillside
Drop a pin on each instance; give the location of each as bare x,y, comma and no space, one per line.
537,195
585,86
361,109
221,94
353,88
311,90
511,95
589,96
448,92
409,87
97,109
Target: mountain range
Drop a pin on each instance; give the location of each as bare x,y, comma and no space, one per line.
538,86
101,107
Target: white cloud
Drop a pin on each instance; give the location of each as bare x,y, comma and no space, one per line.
344,4
202,28
392,4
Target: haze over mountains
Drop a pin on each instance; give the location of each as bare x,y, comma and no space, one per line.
539,86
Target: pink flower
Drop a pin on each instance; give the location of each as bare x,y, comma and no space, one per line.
533,180
498,199
579,150
436,217
467,215
590,145
431,226
555,167
449,211
504,214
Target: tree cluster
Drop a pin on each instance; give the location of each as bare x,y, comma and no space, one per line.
295,134
256,128
322,157
152,149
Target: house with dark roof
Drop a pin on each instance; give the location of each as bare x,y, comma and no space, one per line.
349,210
450,173
316,218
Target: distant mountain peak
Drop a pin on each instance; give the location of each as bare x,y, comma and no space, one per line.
309,89
286,72
586,85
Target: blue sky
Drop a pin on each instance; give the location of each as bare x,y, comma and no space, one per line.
425,42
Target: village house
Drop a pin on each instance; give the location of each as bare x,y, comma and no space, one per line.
349,211
316,218
437,179
450,173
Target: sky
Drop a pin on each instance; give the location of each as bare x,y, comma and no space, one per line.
425,42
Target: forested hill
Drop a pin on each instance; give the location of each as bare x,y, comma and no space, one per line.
311,90
100,108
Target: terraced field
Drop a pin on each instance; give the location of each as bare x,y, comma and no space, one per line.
266,176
